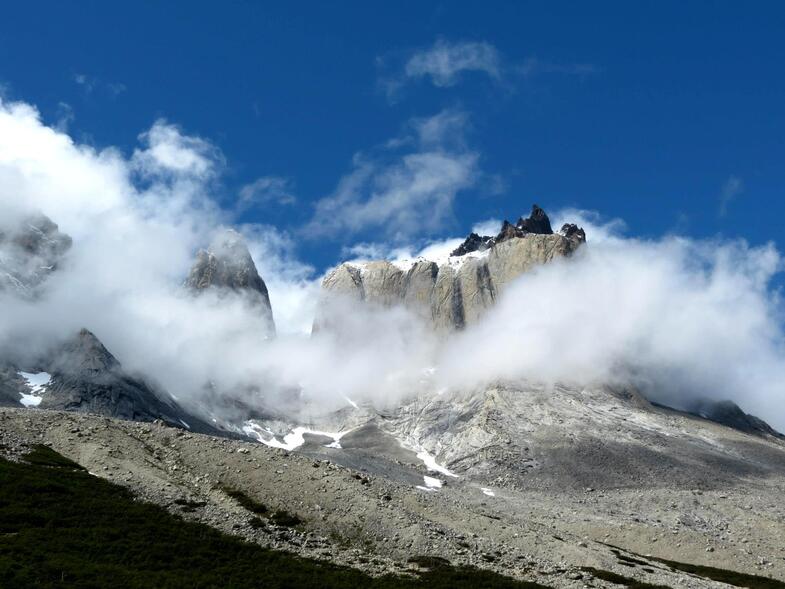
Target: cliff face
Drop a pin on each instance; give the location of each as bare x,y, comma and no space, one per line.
455,291
227,265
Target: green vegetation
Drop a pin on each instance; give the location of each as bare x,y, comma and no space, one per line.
62,527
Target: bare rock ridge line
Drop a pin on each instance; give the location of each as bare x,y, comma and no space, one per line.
538,223
455,291
228,265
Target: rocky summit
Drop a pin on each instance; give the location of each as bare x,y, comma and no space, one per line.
455,290
227,266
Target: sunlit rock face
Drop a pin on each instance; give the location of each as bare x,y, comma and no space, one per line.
227,266
455,290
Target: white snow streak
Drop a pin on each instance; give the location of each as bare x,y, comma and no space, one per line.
431,464
293,439
37,382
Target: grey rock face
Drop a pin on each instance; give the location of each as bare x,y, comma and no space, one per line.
730,414
86,378
227,266
458,290
29,252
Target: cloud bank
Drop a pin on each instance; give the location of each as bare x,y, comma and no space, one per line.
681,318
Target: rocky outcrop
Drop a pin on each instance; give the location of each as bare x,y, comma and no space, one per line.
29,252
456,291
730,414
227,266
81,375
474,243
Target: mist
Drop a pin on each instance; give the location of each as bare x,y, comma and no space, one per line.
682,319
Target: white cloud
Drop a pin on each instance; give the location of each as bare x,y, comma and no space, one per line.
402,194
292,284
681,318
91,83
65,116
598,229
136,223
168,151
733,187
265,191
444,62
488,227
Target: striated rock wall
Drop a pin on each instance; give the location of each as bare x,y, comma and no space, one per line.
458,290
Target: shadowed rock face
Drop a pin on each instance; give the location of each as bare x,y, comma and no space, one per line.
227,265
730,414
30,252
456,291
86,378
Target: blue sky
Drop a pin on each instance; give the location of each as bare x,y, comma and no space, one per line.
668,115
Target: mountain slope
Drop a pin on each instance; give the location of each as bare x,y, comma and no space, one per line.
82,375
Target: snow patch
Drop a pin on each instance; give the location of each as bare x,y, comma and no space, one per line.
30,400
432,483
487,491
427,459
292,440
440,259
37,382
431,464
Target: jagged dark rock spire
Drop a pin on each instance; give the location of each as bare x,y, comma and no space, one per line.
473,243
537,222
